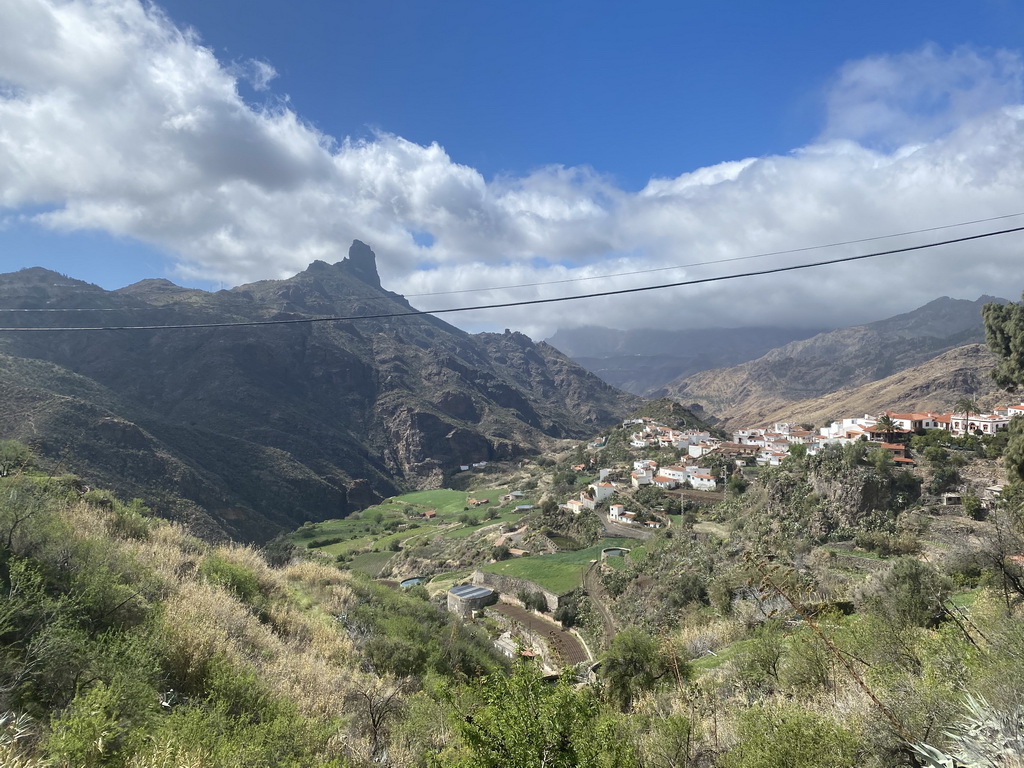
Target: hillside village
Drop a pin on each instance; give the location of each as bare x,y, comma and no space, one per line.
761,447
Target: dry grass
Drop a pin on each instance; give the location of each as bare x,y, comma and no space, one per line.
711,635
171,755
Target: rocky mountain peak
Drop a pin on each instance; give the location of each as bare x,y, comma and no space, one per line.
362,263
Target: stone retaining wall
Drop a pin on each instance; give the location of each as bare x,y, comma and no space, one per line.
513,585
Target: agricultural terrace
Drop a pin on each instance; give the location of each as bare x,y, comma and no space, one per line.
559,573
369,538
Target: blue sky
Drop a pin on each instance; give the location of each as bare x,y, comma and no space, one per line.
481,144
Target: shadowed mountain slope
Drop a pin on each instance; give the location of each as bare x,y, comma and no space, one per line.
248,430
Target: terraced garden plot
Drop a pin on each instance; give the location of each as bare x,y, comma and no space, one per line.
468,530
370,563
564,645
561,572
376,526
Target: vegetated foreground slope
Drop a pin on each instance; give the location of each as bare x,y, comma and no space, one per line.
644,360
247,431
833,361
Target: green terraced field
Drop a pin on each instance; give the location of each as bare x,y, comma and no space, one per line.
561,572
376,526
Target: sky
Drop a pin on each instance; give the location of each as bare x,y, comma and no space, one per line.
491,151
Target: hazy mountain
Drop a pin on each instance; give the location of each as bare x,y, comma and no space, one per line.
833,361
247,430
934,385
642,361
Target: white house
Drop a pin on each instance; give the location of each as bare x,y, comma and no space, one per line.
602,491
677,473
986,423
618,513
641,477
703,482
575,506
697,450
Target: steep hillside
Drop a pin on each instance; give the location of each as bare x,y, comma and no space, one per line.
935,385
829,362
265,427
643,360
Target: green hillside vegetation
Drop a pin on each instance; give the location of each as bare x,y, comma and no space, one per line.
126,642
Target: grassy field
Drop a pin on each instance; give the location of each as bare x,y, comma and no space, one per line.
370,563
372,537
402,518
721,656
561,572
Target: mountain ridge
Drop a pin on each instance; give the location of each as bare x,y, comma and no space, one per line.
266,427
837,360
644,360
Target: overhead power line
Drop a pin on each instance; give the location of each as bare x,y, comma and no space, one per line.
528,302
787,251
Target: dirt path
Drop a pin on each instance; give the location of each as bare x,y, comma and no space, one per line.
592,584
563,645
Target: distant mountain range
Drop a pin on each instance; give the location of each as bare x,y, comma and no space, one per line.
764,389
934,385
244,431
643,361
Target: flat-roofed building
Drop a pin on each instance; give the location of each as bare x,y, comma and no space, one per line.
467,598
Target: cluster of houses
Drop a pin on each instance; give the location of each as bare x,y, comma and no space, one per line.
645,472
768,446
654,435
773,443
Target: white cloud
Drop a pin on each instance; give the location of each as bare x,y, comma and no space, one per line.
113,119
894,100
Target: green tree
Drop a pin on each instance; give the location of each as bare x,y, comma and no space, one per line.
911,592
633,664
14,457
798,451
966,406
526,723
888,425
1004,332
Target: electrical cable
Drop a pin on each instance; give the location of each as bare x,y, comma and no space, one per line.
599,277
527,302
721,261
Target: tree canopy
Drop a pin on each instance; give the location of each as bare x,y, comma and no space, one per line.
1004,333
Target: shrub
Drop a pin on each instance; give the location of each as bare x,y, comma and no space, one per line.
237,579
781,736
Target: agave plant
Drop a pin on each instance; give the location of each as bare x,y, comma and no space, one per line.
985,738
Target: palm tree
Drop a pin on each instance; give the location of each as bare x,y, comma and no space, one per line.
888,425
967,406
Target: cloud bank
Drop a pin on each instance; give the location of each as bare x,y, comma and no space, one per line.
114,119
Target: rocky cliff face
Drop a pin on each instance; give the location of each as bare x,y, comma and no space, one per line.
251,429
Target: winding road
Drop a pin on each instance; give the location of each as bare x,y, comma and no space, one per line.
592,584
